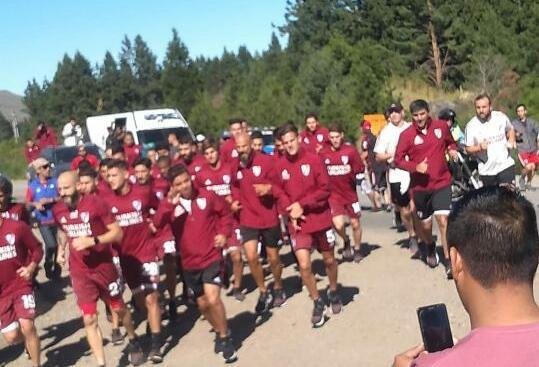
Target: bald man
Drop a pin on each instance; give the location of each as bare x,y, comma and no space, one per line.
90,230
253,192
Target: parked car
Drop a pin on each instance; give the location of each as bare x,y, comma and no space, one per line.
60,157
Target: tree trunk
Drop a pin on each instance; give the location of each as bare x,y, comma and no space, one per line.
436,57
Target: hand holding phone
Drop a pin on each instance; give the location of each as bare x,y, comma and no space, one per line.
435,328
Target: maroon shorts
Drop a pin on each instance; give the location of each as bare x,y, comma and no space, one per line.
102,282
16,303
352,210
323,240
140,275
528,157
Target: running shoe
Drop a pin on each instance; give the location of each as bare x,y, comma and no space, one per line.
238,294
279,297
135,355
358,256
155,355
225,348
432,256
413,246
264,303
116,338
335,302
318,319
347,253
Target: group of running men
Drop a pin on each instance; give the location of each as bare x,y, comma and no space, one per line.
194,208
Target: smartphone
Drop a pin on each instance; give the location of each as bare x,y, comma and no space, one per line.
435,328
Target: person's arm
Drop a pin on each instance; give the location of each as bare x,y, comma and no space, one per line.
67,131
472,146
356,163
224,220
381,147
35,250
317,197
400,155
406,359
164,212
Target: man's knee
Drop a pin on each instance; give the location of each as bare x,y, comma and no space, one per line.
90,320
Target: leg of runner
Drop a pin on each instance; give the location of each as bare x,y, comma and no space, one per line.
304,263
95,339
407,219
441,219
31,340
265,299
169,263
340,228
279,297
237,270
357,232
154,320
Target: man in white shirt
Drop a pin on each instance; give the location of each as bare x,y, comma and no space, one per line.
399,180
72,133
489,136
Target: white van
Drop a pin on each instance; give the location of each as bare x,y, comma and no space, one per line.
149,127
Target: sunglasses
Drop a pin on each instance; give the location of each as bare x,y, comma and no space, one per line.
45,166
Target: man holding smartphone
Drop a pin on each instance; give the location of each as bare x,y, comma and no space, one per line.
494,250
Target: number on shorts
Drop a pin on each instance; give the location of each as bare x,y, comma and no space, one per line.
238,234
114,289
169,247
151,269
28,301
356,207
330,236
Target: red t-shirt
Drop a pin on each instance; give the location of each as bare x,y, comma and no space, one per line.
89,219
431,143
195,223
317,139
16,211
18,247
92,159
132,153
342,166
32,153
131,211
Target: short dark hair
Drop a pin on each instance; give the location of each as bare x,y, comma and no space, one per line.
161,146
482,96
256,134
116,148
164,158
87,173
129,133
143,161
418,105
276,133
520,105
84,164
335,127
118,163
210,142
6,186
287,128
105,162
495,231
235,120
175,171
309,115
185,139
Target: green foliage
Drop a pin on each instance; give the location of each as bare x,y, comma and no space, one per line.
15,166
6,130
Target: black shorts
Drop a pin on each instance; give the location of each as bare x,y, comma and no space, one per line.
378,179
505,177
212,274
396,197
432,202
270,237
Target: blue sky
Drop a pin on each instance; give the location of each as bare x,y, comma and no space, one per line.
36,34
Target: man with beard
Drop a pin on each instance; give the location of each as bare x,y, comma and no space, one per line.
343,163
489,136
90,230
189,157
421,150
201,224
131,205
216,176
306,192
253,192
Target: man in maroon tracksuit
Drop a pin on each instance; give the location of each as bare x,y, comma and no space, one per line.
130,205
189,157
306,191
314,137
216,176
253,192
343,163
20,254
236,127
421,150
201,222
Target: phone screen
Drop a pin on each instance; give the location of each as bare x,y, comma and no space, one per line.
435,327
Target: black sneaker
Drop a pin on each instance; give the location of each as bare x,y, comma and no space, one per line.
116,338
279,297
172,311
225,348
448,271
155,355
135,355
347,253
264,303
318,318
335,301
358,256
432,256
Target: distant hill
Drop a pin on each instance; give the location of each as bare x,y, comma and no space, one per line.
12,103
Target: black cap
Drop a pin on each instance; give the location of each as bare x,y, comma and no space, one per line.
394,107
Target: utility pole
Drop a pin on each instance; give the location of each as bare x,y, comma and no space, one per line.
14,126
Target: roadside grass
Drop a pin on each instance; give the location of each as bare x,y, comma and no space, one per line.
12,161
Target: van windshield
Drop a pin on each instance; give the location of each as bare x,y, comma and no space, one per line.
151,138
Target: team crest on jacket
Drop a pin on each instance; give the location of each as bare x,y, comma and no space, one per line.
201,202
257,170
226,179
85,217
234,153
285,175
114,210
305,169
438,133
306,140
137,205
418,140
63,220
178,210
10,238
207,182
239,175
327,161
320,138
344,159
197,168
